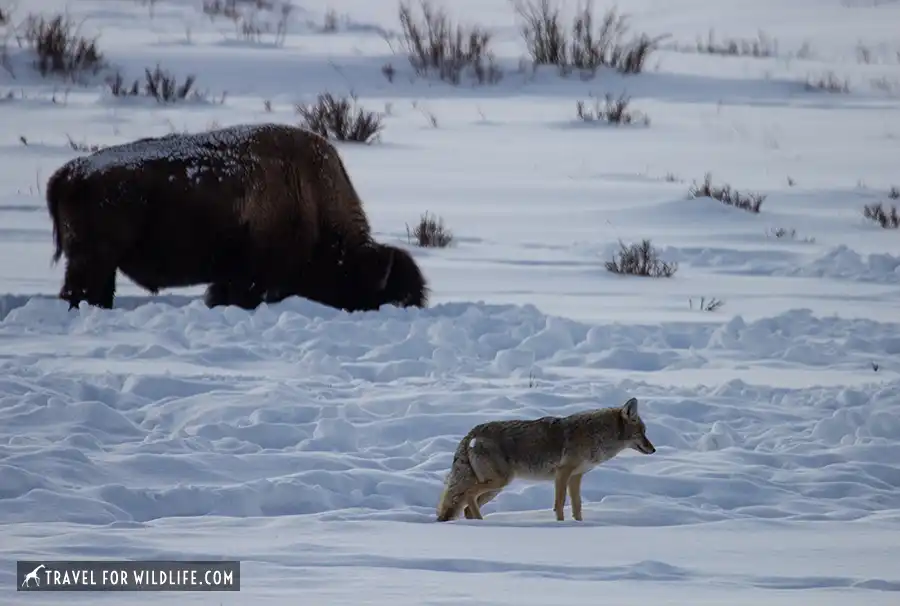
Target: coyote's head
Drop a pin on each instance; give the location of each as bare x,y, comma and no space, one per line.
635,431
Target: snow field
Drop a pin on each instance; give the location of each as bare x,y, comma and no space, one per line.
313,412
312,444
358,561
147,418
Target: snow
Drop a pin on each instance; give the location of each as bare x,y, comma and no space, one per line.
312,444
199,147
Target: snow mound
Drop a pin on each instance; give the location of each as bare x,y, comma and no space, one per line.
158,412
844,263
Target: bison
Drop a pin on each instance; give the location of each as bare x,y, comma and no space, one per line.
257,212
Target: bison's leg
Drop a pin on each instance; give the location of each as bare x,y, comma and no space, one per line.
247,297
217,293
74,288
230,293
106,291
89,279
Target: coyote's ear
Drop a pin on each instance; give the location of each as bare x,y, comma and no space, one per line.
630,409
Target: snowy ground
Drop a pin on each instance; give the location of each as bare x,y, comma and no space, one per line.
312,444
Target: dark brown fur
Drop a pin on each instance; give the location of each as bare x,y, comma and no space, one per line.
259,213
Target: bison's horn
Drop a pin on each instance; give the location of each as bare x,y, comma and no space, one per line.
387,269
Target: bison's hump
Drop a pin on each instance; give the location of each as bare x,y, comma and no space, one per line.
220,146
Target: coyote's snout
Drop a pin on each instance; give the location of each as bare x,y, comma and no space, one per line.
561,449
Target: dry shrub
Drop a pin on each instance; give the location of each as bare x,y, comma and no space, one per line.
726,195
59,48
761,46
221,8
583,47
888,219
615,111
430,232
336,119
711,304
784,233
436,44
828,82
81,146
640,260
158,84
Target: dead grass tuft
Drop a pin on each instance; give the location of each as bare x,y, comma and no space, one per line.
60,49
828,82
888,219
583,46
340,119
726,195
430,232
158,84
437,45
640,259
615,111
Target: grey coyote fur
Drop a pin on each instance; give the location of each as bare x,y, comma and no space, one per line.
561,449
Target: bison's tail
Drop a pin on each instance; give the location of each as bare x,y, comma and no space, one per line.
55,194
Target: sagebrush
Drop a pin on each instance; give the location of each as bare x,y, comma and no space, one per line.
221,8
437,45
784,233
828,82
888,219
614,111
248,26
711,304
430,232
82,146
60,49
583,46
158,84
641,259
751,202
761,46
340,119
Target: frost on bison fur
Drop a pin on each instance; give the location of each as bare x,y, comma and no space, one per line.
257,212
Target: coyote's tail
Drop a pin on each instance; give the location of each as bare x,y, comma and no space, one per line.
461,476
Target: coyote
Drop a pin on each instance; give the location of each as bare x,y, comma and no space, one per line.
562,449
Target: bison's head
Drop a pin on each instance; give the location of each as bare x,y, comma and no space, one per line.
381,274
361,278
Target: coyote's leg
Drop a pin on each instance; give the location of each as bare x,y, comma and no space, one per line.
473,493
575,495
481,500
472,512
562,479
